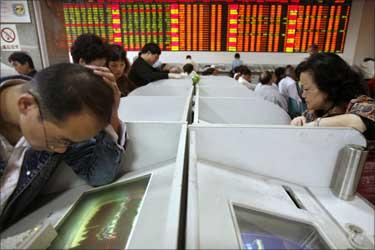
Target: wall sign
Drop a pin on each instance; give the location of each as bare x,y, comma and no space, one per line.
9,38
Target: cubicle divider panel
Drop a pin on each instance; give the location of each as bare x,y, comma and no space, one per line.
163,90
264,170
154,108
224,91
183,82
301,155
240,111
218,81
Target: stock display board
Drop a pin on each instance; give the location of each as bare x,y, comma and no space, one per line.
213,25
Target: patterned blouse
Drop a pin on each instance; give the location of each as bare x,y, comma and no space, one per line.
363,106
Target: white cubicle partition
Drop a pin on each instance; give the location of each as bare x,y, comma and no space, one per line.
183,82
267,174
213,80
155,108
239,111
235,91
155,151
163,90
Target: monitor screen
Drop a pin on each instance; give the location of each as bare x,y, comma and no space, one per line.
213,25
258,230
103,218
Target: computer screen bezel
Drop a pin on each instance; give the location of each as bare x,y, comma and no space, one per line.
232,203
109,186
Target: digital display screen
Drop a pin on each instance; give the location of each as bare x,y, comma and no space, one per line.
258,230
213,25
102,219
264,241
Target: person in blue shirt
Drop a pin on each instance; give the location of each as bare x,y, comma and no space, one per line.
236,62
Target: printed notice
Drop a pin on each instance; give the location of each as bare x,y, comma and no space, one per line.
9,38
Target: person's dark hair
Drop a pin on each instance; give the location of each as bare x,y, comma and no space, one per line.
188,68
289,71
333,76
66,89
368,59
208,71
153,48
279,73
265,77
237,55
245,71
240,69
22,58
188,57
117,53
89,47
164,67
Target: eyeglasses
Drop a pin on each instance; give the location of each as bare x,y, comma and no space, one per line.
50,144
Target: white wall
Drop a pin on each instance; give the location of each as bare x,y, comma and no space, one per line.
350,49
366,37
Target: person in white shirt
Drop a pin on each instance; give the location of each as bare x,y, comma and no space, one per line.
245,79
287,85
288,88
189,60
367,68
269,91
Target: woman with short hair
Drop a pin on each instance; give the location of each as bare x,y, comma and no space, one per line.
334,95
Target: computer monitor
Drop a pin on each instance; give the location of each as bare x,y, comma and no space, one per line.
102,218
258,230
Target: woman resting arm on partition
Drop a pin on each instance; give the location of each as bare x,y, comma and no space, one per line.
334,95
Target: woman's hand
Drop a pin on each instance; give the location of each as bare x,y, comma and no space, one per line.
110,79
298,121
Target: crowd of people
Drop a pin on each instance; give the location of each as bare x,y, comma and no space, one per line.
68,112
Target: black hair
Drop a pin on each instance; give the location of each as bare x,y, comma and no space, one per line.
66,89
240,69
279,73
22,58
237,55
289,71
188,57
163,67
265,77
333,76
368,59
246,71
153,48
208,71
117,53
89,47
188,68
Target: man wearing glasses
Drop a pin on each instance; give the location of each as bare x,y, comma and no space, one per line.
68,113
